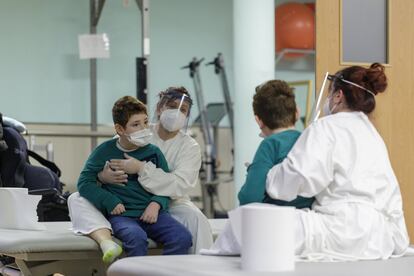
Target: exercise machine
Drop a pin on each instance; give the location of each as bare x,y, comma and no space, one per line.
208,175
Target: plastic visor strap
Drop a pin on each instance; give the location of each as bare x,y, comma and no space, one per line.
359,86
316,112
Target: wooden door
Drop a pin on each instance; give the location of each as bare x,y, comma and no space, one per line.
394,114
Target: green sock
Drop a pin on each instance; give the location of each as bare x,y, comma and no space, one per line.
111,250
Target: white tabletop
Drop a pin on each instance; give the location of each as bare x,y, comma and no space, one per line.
198,265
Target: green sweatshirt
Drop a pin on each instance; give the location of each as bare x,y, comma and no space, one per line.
272,150
132,195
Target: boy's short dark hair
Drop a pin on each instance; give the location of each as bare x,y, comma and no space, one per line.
274,104
125,107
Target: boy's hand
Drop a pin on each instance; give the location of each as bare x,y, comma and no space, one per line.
130,165
109,176
119,209
150,214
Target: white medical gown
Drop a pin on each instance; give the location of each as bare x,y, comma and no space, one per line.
342,161
184,161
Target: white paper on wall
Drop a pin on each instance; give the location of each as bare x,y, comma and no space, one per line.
93,46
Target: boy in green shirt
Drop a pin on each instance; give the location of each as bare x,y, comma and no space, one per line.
275,112
134,213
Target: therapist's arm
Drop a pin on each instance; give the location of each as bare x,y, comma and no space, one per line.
107,175
180,180
308,168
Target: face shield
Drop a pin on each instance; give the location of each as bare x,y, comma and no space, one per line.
317,109
173,110
324,109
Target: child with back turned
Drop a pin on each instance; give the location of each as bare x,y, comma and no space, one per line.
276,113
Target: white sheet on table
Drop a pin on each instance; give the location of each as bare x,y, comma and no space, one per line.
18,209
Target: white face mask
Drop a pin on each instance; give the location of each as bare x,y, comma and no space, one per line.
140,138
326,110
172,119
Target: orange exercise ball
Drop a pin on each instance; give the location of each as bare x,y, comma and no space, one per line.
295,27
311,5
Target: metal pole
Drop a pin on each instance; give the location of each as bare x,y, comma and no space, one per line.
93,76
145,13
219,69
142,62
95,7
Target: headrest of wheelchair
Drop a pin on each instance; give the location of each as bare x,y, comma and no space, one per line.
10,122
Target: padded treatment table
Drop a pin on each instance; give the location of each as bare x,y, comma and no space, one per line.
58,249
198,265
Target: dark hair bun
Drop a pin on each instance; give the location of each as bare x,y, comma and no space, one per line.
376,78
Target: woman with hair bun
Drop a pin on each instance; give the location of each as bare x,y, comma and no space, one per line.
342,161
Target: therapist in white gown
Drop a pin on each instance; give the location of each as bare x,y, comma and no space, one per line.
342,161
184,161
